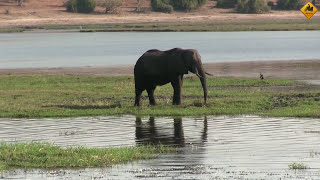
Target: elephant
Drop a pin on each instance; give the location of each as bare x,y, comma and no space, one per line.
155,68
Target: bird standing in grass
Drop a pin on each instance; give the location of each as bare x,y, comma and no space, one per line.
261,76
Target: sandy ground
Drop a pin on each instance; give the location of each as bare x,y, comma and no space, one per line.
52,12
307,70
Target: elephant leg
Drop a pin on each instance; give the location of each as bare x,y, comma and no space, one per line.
181,79
138,96
176,84
150,91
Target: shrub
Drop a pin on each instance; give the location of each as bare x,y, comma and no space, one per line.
288,4
71,5
161,6
187,4
169,5
85,6
112,5
82,6
252,6
226,3
20,2
7,11
271,5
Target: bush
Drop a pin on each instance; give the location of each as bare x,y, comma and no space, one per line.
187,4
252,6
81,6
226,3
169,5
85,6
71,5
288,4
161,6
112,5
271,5
7,11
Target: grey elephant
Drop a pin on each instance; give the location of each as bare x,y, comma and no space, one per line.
155,68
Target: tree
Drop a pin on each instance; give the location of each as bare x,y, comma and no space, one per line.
80,6
112,6
20,2
139,4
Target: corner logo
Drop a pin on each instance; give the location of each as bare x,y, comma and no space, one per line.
309,10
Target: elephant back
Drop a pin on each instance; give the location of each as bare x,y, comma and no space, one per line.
152,63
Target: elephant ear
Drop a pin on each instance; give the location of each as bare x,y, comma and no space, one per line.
176,64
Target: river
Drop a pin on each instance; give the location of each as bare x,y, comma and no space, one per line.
69,49
212,147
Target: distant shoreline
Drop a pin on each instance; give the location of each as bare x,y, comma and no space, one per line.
52,15
284,69
175,26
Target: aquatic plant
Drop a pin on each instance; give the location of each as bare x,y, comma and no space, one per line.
39,155
297,166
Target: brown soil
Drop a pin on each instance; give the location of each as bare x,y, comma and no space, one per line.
297,70
52,12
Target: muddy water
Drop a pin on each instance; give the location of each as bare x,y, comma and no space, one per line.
210,147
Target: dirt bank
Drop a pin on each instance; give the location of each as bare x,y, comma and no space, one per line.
52,12
298,70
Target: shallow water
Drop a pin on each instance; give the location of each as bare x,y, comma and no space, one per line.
22,50
212,147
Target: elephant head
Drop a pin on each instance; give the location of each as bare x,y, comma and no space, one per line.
189,60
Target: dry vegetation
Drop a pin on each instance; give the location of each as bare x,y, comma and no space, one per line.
52,12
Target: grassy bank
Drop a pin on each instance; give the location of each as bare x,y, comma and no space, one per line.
65,96
227,25
37,155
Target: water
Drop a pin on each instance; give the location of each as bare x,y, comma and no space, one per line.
211,147
22,50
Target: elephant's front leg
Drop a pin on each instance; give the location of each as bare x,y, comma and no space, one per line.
150,91
138,96
177,84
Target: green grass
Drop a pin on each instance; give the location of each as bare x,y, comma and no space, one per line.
38,155
35,96
295,166
218,25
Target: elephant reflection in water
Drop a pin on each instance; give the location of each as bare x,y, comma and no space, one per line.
150,134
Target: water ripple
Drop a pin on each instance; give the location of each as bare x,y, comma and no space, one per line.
212,147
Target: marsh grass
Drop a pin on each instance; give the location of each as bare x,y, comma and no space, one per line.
69,96
295,166
39,155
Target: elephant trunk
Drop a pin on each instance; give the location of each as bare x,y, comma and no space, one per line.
202,75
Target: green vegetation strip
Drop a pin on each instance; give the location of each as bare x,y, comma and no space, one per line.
295,166
36,96
37,155
227,25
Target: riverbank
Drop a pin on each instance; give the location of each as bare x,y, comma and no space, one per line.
213,26
38,96
219,25
234,88
37,155
52,15
285,69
